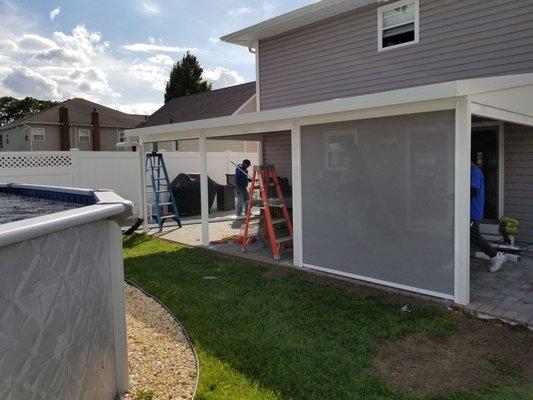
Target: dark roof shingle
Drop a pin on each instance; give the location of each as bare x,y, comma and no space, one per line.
216,103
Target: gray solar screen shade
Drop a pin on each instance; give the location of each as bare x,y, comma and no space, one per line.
378,199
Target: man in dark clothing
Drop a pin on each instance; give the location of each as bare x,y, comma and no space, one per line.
477,199
241,184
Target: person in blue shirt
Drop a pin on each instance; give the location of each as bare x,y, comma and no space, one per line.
241,186
477,204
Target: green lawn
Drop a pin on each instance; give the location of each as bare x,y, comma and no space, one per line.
266,335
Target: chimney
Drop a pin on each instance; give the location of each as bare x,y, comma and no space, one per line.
64,136
95,135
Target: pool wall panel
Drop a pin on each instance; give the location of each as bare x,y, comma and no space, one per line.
56,316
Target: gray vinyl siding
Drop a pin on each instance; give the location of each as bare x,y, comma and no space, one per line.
277,152
16,140
459,39
519,178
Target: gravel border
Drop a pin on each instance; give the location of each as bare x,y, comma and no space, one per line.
170,376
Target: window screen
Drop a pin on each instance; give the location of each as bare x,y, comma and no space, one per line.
385,209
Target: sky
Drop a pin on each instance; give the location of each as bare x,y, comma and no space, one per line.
119,52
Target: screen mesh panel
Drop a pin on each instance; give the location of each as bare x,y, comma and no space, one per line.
378,198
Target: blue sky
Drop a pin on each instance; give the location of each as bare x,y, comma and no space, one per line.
119,52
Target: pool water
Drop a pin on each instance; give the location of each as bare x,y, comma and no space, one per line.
15,207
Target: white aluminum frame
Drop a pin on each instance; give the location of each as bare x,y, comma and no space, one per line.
445,96
416,21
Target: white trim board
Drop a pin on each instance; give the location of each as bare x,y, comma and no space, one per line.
381,282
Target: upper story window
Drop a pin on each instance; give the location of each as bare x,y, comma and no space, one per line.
37,135
398,24
84,135
121,136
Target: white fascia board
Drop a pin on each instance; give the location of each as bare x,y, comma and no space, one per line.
295,19
283,118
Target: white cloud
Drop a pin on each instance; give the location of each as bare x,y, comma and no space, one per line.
240,11
222,77
214,40
31,43
269,9
54,13
8,46
138,108
162,59
150,7
155,75
26,82
149,47
63,56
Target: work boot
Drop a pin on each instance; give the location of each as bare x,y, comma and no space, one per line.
497,262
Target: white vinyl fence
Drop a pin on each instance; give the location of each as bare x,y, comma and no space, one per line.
117,171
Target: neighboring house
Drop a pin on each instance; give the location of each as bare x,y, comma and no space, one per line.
73,124
375,106
232,100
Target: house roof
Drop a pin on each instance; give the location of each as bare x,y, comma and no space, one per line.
293,20
216,103
79,113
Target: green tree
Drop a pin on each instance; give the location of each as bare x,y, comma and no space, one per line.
186,78
12,109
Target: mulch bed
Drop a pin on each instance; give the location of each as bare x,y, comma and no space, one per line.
159,355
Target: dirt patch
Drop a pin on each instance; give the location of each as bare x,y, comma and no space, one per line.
481,352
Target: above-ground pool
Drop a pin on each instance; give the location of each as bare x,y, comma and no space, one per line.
62,317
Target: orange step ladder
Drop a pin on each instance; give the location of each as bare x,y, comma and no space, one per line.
265,177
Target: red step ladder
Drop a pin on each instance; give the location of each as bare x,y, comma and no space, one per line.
265,177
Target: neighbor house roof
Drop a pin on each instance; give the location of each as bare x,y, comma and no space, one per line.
79,113
213,104
293,20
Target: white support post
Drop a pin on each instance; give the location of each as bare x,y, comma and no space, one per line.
296,156
463,134
142,182
501,170
204,191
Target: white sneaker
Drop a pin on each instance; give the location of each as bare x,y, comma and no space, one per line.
497,262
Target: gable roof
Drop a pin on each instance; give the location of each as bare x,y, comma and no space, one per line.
216,103
293,20
79,113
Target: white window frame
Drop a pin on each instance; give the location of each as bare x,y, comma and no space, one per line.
392,6
121,136
88,136
37,132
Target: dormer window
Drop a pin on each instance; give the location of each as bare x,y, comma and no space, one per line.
398,24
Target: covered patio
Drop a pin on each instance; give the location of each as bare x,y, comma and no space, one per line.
506,98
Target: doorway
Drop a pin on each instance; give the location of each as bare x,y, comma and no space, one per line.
486,150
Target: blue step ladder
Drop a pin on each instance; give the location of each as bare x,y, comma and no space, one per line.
155,165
